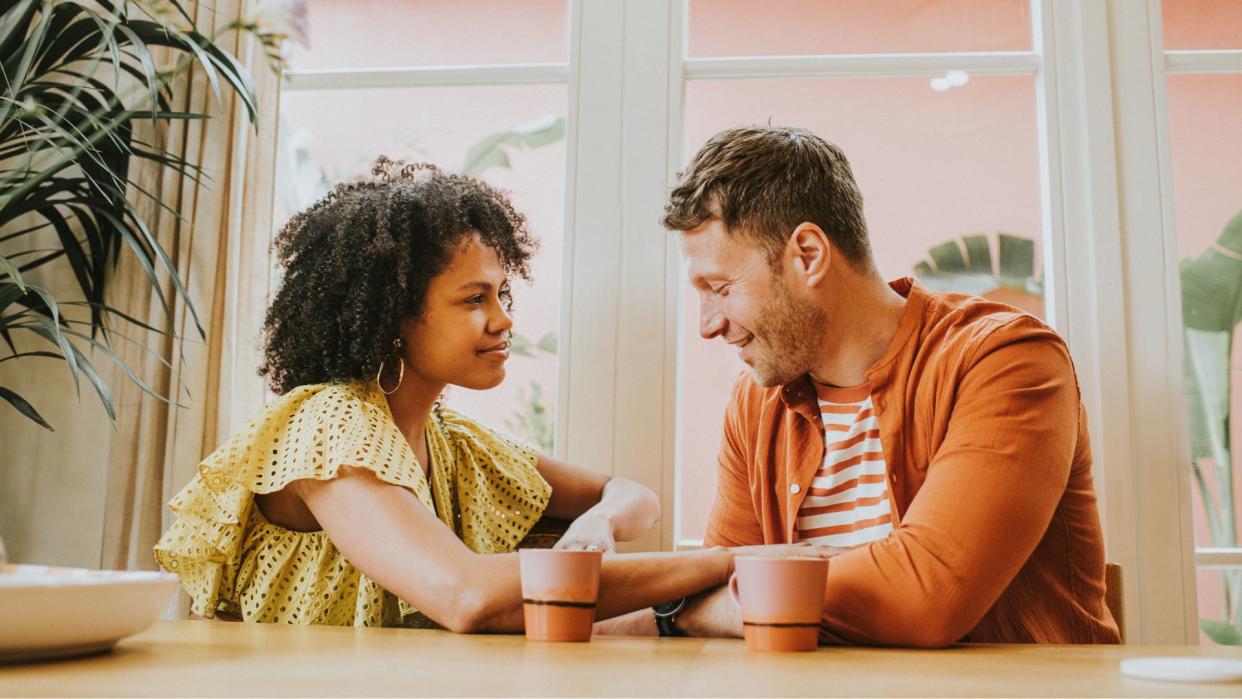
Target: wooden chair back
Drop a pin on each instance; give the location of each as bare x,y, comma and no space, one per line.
1114,596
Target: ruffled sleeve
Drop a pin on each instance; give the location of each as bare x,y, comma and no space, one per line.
310,432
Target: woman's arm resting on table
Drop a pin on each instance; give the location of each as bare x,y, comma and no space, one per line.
389,535
604,510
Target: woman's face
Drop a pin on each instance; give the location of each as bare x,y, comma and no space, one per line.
462,335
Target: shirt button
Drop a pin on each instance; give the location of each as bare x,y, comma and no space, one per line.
794,488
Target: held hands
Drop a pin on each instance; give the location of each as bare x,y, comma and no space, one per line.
801,550
590,532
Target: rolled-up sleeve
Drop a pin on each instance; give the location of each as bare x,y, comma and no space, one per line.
991,489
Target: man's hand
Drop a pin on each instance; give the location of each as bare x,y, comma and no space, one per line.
593,531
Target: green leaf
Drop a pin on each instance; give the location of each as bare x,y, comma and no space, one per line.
54,335
520,345
979,253
490,152
8,268
101,386
547,343
948,257
1221,632
1017,256
24,407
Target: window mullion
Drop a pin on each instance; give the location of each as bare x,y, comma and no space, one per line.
613,378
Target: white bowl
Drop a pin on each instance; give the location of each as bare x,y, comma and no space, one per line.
48,612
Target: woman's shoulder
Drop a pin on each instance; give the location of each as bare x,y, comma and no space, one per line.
323,405
312,431
460,427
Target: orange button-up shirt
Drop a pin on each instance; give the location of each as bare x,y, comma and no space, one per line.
997,537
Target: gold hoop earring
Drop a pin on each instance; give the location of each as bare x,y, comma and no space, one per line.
396,345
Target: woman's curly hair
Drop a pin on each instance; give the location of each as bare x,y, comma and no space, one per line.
358,262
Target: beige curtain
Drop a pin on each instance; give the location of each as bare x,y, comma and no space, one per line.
220,248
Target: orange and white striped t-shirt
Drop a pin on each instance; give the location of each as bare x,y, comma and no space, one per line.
848,503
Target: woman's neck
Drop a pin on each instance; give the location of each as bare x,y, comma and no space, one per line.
411,405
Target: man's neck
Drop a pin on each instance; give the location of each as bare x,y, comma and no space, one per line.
861,328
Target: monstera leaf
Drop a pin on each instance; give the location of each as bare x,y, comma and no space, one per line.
968,268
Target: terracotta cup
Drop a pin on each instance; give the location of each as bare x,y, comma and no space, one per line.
559,590
782,600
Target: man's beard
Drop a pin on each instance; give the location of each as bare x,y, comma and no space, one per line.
787,333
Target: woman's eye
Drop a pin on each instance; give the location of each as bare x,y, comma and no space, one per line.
476,300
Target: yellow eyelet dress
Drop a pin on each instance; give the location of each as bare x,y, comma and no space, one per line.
484,486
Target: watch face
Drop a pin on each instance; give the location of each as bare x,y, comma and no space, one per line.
668,608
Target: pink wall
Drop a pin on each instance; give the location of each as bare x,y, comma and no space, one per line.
793,27
380,33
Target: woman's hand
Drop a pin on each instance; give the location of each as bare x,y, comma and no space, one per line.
604,510
593,531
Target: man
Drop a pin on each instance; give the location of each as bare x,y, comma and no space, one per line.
938,439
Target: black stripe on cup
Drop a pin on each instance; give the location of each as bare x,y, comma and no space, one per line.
559,603
813,624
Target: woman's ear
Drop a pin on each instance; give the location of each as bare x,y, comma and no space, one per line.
810,252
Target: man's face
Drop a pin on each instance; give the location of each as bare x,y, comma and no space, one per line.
747,302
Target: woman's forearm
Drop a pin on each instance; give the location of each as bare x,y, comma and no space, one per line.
627,582
639,580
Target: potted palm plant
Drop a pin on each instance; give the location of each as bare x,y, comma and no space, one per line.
86,88
82,81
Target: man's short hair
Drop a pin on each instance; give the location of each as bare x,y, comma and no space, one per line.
762,181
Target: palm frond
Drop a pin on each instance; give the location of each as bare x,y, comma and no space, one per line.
76,79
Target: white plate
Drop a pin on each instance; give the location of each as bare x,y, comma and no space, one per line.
1183,669
48,612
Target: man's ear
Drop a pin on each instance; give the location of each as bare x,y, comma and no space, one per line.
810,252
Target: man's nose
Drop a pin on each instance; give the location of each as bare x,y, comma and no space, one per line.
711,320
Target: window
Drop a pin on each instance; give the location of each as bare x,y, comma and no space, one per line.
405,93
1204,87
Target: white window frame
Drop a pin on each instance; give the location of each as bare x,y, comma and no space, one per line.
1106,191
1106,197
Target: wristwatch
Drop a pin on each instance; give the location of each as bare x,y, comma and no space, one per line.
666,617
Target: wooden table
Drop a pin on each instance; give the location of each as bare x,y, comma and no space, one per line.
181,658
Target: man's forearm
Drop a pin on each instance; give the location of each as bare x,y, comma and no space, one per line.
711,613
639,623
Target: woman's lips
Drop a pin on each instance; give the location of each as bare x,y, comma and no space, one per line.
499,352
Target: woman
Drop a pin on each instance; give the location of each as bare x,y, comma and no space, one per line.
355,498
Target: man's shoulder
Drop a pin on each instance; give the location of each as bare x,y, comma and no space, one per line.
963,326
